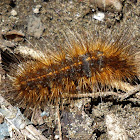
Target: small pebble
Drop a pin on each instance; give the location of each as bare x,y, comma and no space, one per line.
44,114
99,16
36,10
13,12
35,26
56,137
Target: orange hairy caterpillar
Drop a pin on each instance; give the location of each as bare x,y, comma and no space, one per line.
82,66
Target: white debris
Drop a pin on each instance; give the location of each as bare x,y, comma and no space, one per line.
36,10
13,12
3,130
56,137
99,16
44,113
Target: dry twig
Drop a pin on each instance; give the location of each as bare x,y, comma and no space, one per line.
59,121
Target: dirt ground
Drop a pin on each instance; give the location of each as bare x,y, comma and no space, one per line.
46,23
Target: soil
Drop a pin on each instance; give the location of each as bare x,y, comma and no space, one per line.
48,28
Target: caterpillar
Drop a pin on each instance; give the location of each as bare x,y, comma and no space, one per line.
83,66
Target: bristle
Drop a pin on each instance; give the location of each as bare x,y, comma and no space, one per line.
86,67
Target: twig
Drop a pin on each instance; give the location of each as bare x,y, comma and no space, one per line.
104,94
134,100
59,122
93,95
131,92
